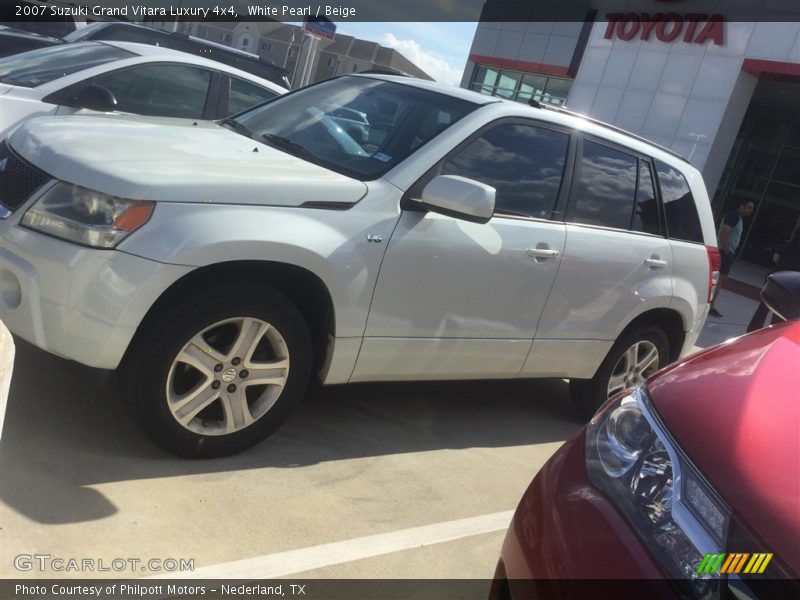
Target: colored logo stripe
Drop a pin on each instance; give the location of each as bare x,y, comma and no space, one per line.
735,563
711,563
758,564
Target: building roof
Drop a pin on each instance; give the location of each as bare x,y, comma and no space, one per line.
363,50
281,33
340,45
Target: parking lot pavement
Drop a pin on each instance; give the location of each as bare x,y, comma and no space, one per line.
736,310
78,479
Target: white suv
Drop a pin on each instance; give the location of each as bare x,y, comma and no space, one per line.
218,266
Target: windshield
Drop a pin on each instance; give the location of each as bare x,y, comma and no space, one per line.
36,67
357,126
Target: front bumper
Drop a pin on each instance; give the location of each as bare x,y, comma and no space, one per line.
566,532
79,303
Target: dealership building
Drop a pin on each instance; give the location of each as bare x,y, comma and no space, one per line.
723,93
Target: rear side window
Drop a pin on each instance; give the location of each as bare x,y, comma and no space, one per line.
244,95
523,163
607,187
682,220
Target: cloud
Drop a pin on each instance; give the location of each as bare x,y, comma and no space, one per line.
430,62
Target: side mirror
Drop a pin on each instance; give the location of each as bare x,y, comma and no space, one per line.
781,294
460,198
95,97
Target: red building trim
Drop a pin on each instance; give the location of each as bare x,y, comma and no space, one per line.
770,67
521,65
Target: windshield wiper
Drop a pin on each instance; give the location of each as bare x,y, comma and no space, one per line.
292,147
237,127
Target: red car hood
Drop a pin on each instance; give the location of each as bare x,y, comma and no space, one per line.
735,410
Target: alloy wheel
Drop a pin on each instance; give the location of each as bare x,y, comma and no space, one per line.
227,376
635,365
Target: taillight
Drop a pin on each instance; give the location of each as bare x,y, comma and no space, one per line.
714,263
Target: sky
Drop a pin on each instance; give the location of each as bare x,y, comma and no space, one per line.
439,49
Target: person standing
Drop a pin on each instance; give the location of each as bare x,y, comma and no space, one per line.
728,238
786,258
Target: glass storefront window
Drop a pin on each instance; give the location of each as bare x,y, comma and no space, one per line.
746,188
557,90
508,80
762,168
486,76
520,86
777,218
769,130
794,136
788,167
758,158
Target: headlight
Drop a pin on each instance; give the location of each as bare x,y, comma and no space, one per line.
86,217
631,457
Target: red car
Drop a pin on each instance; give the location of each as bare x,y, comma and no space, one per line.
688,486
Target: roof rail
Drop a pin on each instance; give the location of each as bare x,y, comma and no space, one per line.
561,109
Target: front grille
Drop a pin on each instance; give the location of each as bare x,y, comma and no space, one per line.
18,179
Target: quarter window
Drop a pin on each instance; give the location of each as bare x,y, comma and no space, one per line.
243,95
607,187
159,90
682,220
524,164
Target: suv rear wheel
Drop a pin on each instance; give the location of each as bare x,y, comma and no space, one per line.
635,356
219,372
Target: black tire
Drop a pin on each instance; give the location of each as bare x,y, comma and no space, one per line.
158,383
590,394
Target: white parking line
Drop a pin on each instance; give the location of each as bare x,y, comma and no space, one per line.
282,564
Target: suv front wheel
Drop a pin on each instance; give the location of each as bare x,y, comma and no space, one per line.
635,356
219,372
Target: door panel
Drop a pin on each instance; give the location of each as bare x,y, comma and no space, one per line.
604,279
474,285
617,263
460,299
443,277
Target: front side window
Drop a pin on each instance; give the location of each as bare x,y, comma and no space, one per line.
159,90
358,126
36,67
682,220
606,188
524,164
243,95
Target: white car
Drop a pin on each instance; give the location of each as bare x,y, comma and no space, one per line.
124,77
219,266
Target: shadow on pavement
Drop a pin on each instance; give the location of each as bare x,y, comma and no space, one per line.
66,429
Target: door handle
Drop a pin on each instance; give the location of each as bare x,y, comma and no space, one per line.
542,253
655,263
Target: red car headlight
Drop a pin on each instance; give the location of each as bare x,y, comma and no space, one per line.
631,457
